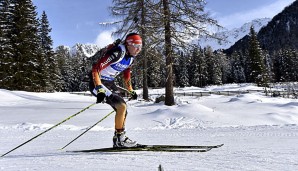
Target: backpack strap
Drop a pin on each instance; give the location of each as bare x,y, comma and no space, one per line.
120,54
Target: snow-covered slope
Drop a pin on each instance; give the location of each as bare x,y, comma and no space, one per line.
259,132
229,37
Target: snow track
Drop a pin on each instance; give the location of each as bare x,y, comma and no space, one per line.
246,148
260,133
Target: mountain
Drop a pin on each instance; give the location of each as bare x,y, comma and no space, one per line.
281,32
83,50
231,36
87,50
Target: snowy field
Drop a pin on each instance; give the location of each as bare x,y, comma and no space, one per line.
259,132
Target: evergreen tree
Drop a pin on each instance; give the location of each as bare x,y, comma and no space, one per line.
78,62
222,67
294,67
51,74
62,54
6,58
237,69
258,73
155,68
193,70
214,69
209,56
198,68
285,66
25,43
181,70
278,66
268,62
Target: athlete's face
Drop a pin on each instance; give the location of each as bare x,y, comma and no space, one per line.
134,49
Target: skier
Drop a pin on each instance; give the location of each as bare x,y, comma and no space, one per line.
117,59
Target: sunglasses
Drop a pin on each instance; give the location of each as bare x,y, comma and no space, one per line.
137,46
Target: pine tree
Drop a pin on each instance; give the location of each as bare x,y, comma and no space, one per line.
288,65
294,55
25,44
268,62
78,63
181,70
209,56
278,66
198,68
51,74
237,69
6,58
221,68
258,73
62,54
155,68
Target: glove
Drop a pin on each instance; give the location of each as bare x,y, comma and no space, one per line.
101,93
133,95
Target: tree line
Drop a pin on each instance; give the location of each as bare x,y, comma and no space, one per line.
197,66
27,57
169,57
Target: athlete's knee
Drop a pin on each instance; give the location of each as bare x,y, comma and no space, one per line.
121,106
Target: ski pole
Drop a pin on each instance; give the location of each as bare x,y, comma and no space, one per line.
88,129
49,129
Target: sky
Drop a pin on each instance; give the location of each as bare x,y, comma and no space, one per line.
77,21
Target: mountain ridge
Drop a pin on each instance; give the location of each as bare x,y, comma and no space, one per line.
233,35
281,32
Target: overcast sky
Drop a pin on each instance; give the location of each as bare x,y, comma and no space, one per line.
76,21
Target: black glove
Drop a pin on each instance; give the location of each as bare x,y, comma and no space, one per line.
101,94
133,95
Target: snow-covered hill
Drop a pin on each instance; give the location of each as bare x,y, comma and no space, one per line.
229,37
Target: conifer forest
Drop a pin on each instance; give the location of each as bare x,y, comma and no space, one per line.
29,61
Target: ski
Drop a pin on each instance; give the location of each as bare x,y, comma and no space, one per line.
154,148
141,149
183,146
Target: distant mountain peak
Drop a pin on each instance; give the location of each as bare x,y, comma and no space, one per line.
229,37
87,49
280,33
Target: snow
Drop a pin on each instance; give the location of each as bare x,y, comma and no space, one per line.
259,132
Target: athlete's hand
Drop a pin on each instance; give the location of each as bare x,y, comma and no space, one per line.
101,94
133,95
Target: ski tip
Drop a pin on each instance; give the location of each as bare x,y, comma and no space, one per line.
217,146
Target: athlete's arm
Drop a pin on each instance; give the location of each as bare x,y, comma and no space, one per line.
127,79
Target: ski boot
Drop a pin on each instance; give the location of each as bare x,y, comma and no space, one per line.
122,141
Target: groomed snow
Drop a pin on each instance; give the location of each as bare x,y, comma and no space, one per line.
259,132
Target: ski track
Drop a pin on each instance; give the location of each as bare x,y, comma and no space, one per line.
259,133
252,148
